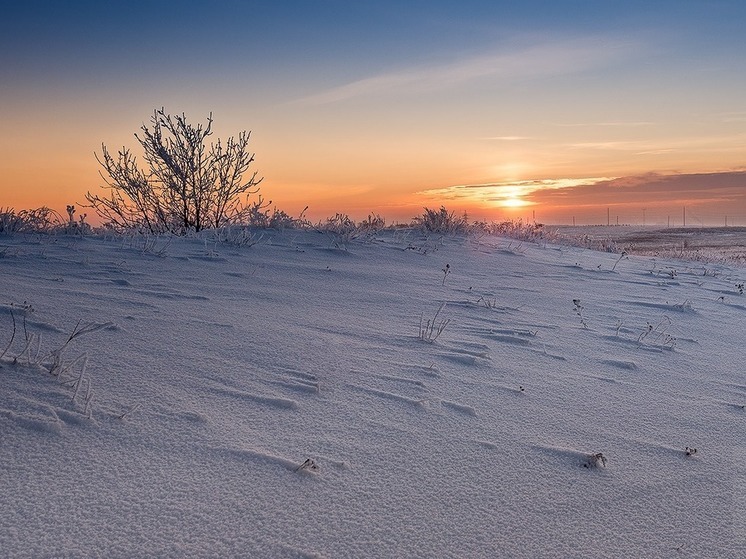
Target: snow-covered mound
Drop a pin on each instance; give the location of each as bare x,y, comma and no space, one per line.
396,397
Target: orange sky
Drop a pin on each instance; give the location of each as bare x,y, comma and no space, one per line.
388,111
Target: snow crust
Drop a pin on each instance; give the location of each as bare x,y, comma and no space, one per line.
279,400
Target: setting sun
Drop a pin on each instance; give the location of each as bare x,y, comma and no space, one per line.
514,203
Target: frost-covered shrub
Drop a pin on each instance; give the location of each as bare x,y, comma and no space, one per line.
442,221
514,229
186,185
39,220
76,227
340,224
260,217
341,229
372,223
10,222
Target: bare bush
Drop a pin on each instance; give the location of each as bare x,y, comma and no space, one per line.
372,224
517,229
261,217
442,221
340,224
39,220
185,185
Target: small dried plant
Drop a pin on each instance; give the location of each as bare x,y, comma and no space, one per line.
446,271
621,256
431,329
489,303
58,366
309,464
657,335
597,460
578,308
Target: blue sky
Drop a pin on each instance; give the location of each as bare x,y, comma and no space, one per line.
382,106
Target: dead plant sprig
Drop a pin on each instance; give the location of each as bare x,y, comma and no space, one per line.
578,308
621,256
308,464
657,335
57,355
431,329
446,271
489,303
597,460
12,335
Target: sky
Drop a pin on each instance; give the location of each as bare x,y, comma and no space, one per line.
559,111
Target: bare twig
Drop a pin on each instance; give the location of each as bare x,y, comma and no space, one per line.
431,329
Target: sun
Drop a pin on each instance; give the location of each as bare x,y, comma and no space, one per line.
513,202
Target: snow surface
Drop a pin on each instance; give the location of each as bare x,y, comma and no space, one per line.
215,371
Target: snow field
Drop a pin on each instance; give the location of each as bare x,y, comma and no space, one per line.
222,369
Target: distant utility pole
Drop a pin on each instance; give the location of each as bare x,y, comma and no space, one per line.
684,216
573,221
643,217
607,217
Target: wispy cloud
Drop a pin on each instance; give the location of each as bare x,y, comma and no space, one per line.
645,147
652,189
739,116
508,138
619,124
505,192
539,60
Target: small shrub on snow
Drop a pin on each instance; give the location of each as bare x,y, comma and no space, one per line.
79,227
239,236
39,220
442,221
10,222
373,223
260,217
282,220
146,242
340,224
340,229
514,229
